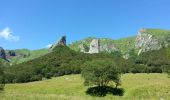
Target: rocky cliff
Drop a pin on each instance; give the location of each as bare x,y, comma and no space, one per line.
148,40
2,53
94,46
62,42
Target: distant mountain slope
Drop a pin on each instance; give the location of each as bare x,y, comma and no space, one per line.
145,40
22,55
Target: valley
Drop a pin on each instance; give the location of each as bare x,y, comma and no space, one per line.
84,50
136,86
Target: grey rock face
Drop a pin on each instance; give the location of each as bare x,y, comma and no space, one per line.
146,42
62,42
2,53
94,46
82,48
97,45
108,47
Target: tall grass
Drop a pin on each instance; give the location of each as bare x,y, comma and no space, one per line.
70,87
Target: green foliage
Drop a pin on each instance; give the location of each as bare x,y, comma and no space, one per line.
139,69
116,54
125,44
168,72
155,61
2,79
100,73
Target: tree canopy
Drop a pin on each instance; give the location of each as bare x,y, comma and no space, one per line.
100,73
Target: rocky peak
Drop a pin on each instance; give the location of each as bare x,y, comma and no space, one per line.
2,53
62,42
146,42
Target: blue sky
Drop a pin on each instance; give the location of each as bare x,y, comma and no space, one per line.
33,24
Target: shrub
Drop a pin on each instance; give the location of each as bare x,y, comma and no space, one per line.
139,69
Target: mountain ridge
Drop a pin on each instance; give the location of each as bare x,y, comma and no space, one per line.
155,39
145,40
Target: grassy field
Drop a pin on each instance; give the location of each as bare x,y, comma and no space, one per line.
70,87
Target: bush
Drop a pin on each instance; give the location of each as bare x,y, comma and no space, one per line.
139,69
155,70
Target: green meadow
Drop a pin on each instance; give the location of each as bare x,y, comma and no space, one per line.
70,87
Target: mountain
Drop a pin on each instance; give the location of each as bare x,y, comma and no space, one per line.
63,60
22,55
145,40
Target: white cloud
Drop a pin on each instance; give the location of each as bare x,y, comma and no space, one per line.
6,34
48,46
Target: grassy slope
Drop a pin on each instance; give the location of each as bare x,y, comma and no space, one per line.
137,87
158,32
30,54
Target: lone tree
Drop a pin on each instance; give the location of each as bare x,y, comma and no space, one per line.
100,73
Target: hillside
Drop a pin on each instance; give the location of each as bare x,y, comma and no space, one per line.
21,55
136,87
145,40
61,61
